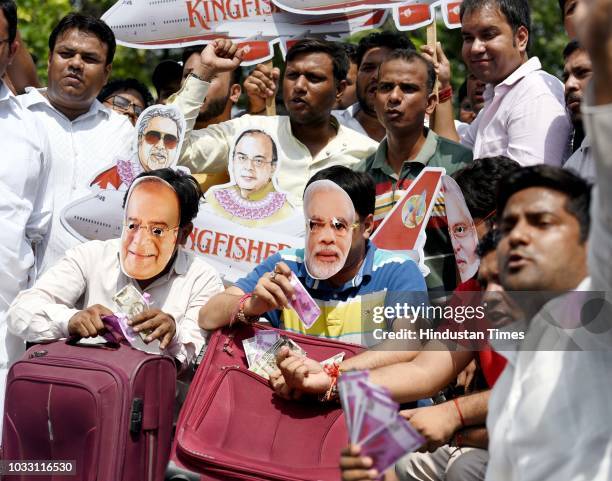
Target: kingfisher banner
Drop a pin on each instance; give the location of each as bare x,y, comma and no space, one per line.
255,24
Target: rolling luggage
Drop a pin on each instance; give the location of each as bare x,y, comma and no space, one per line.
233,427
106,408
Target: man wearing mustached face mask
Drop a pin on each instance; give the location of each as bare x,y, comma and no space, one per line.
71,298
345,274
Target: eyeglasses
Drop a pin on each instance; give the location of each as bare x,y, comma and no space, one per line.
152,137
155,231
339,227
257,161
124,104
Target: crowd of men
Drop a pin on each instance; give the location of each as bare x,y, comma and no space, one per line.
527,150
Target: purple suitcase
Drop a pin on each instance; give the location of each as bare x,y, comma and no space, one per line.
107,409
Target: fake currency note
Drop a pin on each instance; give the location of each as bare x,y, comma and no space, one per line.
266,339
251,351
266,363
131,303
305,306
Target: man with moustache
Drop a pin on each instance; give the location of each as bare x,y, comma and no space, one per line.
524,115
310,138
76,292
577,73
339,267
85,135
371,52
404,96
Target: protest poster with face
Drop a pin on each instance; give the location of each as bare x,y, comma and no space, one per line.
251,220
252,198
461,229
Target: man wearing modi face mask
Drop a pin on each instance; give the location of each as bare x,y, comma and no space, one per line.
74,294
346,275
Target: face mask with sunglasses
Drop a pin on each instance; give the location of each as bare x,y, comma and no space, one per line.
152,137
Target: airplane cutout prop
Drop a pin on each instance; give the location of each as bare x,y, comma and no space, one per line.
403,229
255,24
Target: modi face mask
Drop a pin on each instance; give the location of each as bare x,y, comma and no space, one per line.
330,220
150,228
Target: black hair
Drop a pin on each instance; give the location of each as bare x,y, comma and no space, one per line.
517,12
577,190
334,49
462,92
351,52
187,190
390,40
410,55
359,186
488,243
570,48
89,24
261,132
166,72
562,7
9,9
479,182
235,75
118,85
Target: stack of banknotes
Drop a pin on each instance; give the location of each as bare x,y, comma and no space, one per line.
373,421
261,351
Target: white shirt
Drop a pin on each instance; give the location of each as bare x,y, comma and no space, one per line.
25,212
79,150
581,162
550,415
524,118
347,118
207,150
91,274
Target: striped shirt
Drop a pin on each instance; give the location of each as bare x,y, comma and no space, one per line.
352,312
390,187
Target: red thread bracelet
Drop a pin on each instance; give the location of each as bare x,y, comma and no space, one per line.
459,411
445,94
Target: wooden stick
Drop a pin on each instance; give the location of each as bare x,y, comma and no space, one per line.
270,102
432,40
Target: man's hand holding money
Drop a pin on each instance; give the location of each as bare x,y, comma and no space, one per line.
273,291
299,374
88,322
161,326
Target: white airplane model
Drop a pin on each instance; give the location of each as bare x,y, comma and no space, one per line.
256,23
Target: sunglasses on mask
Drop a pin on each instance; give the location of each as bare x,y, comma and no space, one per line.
152,137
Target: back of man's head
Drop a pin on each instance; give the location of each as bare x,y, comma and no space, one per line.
479,184
517,12
576,189
187,190
335,51
359,186
87,24
390,40
9,9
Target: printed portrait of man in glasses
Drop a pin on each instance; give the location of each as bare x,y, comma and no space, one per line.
160,131
252,198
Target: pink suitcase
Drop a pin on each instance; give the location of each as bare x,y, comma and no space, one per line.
107,409
233,427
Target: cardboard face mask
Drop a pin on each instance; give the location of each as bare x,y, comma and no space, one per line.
461,229
161,129
150,228
330,219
